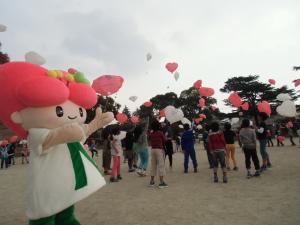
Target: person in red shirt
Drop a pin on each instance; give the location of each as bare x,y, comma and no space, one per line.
157,141
216,145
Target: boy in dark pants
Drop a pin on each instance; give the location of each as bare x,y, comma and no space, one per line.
187,145
128,142
209,155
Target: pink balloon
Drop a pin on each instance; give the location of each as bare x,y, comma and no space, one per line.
203,116
172,67
135,119
235,99
198,84
264,107
13,139
121,117
206,91
107,84
162,113
272,81
72,70
202,102
297,82
148,104
280,138
198,120
289,124
213,108
245,106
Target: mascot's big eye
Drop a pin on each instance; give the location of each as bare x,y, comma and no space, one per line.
59,111
81,112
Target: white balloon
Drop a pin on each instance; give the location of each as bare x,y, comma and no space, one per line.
186,121
173,115
2,28
176,75
283,97
148,56
235,120
34,58
287,108
133,98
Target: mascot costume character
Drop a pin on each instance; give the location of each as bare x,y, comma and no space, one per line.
48,108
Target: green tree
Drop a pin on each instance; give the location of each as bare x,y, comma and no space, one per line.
126,112
4,58
251,90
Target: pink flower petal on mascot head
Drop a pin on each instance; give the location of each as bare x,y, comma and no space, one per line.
201,102
280,138
162,113
203,116
245,106
198,120
272,81
135,119
107,84
235,99
121,117
172,67
264,107
206,91
13,139
198,84
148,104
213,108
297,82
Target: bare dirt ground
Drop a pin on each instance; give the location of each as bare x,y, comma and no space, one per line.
272,199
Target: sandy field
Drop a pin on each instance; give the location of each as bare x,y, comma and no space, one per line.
272,199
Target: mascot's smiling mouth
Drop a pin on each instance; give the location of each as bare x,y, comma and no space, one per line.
72,118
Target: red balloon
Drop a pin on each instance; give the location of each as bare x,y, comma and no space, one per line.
272,81
4,143
162,113
172,67
202,102
198,120
213,108
203,116
148,104
72,70
206,91
289,124
264,106
107,84
235,99
198,84
135,119
245,106
13,139
121,117
297,82
280,138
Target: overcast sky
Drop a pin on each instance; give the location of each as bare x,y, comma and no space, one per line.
210,40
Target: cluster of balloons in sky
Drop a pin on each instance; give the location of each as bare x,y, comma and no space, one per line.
106,85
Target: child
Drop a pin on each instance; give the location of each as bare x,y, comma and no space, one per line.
248,139
187,145
25,153
217,144
4,154
157,140
169,144
128,142
205,144
116,152
93,148
230,146
106,154
269,138
141,147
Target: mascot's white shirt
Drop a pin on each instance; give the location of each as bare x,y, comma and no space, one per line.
51,186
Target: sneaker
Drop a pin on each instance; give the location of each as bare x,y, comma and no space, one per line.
195,170
139,172
263,168
119,177
151,184
235,168
185,171
216,179
269,165
162,185
257,173
225,180
131,170
144,173
113,179
249,175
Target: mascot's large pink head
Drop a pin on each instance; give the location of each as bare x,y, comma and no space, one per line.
25,85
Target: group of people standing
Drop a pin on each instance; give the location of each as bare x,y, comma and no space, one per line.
8,153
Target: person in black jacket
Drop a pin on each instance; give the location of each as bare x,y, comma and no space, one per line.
229,136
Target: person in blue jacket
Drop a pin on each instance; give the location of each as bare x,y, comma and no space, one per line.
187,145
